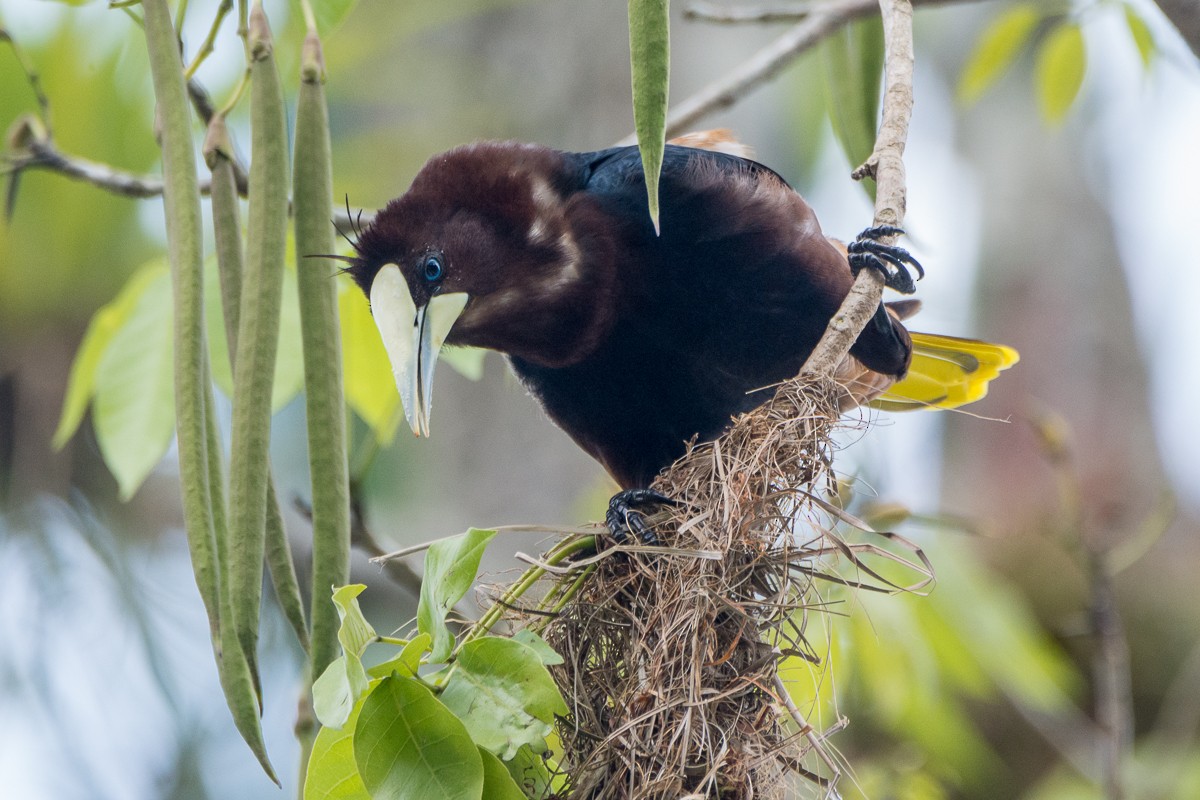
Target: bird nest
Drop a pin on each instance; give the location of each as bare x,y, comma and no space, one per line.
672,652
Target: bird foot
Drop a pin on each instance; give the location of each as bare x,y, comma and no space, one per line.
892,262
624,520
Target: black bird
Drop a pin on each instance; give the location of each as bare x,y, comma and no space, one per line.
633,342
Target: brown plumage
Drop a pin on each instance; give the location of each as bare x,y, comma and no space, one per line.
633,343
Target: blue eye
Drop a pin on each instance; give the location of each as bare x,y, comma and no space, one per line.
433,269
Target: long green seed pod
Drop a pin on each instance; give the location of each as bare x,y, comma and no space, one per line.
313,209
181,205
218,154
199,470
258,335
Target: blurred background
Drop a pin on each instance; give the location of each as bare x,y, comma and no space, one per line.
1073,243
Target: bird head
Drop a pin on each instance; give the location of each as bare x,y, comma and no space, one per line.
480,252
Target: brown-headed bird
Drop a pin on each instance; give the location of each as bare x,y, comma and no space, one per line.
634,342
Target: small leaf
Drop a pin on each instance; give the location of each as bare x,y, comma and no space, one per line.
407,662
344,681
650,59
450,568
498,784
367,372
1140,31
409,746
105,323
853,61
332,770
538,644
528,768
504,695
997,48
134,409
467,361
328,13
1061,63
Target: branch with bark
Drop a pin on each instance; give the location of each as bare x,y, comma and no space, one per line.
886,166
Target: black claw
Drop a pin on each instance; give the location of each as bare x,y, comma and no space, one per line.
623,519
892,262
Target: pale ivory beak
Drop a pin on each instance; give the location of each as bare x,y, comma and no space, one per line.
412,337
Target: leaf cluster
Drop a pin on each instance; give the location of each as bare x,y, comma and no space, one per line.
438,717
1060,54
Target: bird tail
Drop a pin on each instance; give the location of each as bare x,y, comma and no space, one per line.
946,372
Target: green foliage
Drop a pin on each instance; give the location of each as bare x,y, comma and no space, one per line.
1061,63
1143,40
918,668
81,385
344,681
1061,58
504,695
853,62
450,567
125,329
434,723
332,771
135,416
650,58
998,47
498,783
409,746
329,14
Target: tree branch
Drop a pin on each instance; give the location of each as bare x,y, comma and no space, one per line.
886,165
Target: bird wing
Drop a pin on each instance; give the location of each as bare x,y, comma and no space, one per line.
947,372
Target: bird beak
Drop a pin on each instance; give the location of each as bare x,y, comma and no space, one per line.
412,337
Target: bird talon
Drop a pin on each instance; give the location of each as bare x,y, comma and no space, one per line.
891,261
623,519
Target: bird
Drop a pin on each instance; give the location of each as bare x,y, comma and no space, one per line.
639,339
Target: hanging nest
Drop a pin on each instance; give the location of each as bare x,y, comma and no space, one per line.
671,653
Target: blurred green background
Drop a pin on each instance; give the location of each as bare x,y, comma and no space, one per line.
1072,243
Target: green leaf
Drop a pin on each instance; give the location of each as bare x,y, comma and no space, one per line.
504,695
853,62
329,13
529,770
650,59
1061,63
467,361
997,48
367,372
407,662
105,324
538,644
450,568
332,770
409,746
1140,31
344,681
134,412
498,784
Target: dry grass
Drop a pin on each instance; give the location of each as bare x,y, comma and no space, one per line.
672,653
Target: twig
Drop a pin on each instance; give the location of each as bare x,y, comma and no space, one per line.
764,66
1110,671
43,154
820,21
886,165
711,12
31,77
808,732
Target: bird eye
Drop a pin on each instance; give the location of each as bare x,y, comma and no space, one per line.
433,268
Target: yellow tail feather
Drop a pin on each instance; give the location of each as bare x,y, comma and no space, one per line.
946,372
